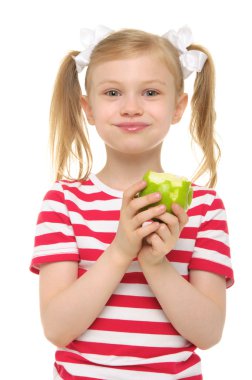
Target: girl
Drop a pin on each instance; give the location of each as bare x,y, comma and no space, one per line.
122,298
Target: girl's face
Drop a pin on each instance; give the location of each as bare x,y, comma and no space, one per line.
132,102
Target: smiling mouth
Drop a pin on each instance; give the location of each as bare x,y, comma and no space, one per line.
132,127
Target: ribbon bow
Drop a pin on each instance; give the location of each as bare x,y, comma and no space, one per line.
191,60
90,38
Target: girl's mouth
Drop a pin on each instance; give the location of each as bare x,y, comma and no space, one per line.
132,126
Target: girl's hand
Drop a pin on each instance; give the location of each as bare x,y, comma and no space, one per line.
163,240
131,231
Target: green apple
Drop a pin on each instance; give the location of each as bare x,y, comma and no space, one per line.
173,189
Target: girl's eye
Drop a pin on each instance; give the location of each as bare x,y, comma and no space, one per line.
112,93
151,93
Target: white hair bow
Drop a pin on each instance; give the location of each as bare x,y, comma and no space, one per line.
191,60
90,38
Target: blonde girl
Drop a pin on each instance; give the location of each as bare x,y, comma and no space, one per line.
123,296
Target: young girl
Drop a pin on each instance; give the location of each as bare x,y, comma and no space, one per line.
124,297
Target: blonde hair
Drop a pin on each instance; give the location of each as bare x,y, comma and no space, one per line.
68,130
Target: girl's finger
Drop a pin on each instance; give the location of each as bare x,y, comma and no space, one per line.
140,203
147,229
180,214
131,192
157,243
149,214
163,232
172,222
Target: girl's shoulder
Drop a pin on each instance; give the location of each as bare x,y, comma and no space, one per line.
203,191
206,200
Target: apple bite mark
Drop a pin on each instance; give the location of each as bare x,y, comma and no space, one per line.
173,189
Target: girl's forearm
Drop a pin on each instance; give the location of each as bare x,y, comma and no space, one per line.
194,315
73,310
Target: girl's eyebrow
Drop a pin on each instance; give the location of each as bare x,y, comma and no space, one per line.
147,82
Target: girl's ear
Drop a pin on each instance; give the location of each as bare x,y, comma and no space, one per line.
180,108
87,109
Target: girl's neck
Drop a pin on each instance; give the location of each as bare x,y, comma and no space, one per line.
122,170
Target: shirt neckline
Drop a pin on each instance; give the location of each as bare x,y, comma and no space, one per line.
105,188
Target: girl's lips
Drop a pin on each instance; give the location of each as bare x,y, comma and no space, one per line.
131,126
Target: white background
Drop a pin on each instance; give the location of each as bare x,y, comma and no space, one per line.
35,35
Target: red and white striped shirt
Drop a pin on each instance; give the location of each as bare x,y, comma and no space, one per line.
131,339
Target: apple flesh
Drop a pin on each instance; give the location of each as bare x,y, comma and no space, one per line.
173,189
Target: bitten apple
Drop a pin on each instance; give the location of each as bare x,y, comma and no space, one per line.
173,189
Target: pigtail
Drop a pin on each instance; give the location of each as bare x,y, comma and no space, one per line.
68,133
203,119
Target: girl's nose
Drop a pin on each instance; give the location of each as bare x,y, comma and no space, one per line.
131,106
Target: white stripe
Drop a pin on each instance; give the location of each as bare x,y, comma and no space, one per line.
47,228
200,188
54,249
86,189
202,199
49,205
57,187
191,371
88,242
214,256
181,268
185,244
217,235
110,373
133,339
133,314
112,360
94,225
218,214
194,221
56,376
102,205
134,267
104,188
141,290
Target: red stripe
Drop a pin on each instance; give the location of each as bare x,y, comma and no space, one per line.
134,302
200,192
66,376
209,266
195,211
83,230
217,225
53,217
53,238
134,278
189,233
166,367
139,327
87,197
90,254
179,256
128,278
125,350
213,245
55,195
94,214
36,261
217,204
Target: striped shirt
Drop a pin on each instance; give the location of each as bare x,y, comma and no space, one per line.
131,339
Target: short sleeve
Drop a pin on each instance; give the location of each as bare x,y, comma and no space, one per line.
54,236
212,248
